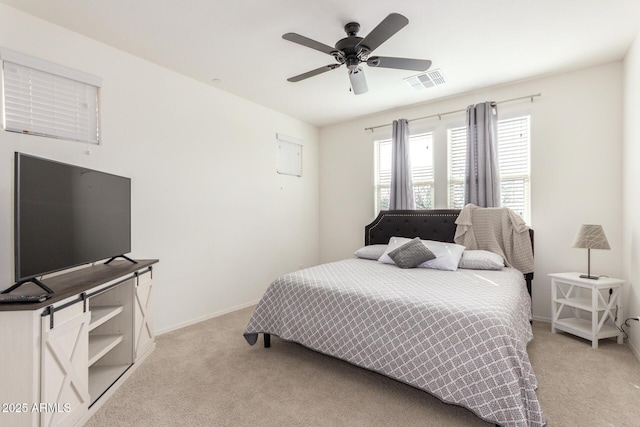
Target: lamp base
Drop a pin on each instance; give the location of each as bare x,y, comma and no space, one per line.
586,276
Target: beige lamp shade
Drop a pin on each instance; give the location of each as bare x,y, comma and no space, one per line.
590,237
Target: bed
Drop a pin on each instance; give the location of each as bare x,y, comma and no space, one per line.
460,335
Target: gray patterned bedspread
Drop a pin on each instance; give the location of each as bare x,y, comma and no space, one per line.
461,336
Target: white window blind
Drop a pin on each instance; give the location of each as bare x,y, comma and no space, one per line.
513,156
513,152
421,154
46,99
456,149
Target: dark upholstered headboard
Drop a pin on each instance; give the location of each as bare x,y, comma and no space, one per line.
435,224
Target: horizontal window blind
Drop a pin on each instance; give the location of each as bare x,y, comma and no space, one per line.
456,149
382,174
513,156
422,169
421,155
40,102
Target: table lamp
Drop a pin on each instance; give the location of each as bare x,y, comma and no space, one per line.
591,237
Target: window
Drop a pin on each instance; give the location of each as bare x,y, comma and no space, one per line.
456,155
46,99
421,155
513,156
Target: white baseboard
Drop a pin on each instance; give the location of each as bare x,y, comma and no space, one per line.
634,350
542,319
206,317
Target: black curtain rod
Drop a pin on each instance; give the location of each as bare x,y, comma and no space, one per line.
439,116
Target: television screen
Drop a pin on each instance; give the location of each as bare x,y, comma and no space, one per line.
67,215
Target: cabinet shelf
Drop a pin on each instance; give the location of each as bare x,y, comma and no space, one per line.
582,303
582,328
100,315
99,345
101,377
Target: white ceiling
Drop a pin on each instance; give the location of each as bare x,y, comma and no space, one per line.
476,43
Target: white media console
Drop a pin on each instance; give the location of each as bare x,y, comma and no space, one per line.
61,359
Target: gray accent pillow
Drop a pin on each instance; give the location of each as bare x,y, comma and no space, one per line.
447,254
371,251
411,254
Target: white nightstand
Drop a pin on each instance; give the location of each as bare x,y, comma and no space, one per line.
587,308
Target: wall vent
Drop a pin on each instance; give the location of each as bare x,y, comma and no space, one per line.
428,79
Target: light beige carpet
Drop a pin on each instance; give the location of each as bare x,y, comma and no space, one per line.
207,375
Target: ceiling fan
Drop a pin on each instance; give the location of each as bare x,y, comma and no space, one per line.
353,50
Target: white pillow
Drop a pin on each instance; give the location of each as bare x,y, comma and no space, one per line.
481,260
447,254
371,251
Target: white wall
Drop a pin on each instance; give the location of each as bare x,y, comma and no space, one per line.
206,198
631,204
576,159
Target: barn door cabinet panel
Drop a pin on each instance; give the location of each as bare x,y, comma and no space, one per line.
63,378
144,338
63,358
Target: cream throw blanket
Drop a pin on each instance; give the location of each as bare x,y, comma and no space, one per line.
499,230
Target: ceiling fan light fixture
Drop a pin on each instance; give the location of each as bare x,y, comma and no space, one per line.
358,81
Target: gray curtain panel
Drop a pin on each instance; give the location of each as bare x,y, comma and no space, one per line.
482,181
401,196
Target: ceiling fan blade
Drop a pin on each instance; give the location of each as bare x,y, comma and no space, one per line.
399,63
358,81
305,41
313,73
390,25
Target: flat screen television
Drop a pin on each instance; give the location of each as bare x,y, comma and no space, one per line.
66,216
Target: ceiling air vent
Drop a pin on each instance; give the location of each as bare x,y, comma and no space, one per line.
426,80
